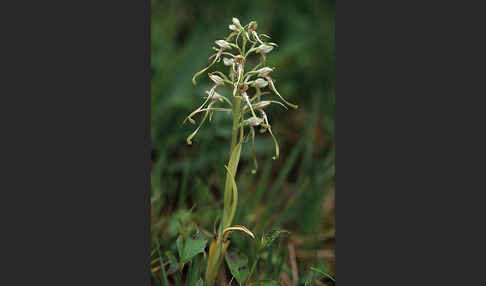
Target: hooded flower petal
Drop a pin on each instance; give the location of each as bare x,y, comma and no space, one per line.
228,61
254,121
223,44
265,71
260,83
217,80
264,49
236,22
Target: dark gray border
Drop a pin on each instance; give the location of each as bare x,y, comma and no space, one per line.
75,143
409,79
76,147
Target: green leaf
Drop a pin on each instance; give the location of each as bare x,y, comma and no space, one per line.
199,282
238,265
192,247
173,266
164,280
323,273
171,257
180,246
229,197
270,237
235,196
174,225
163,275
235,158
266,283
193,271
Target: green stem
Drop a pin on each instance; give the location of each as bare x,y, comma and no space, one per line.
215,257
236,117
244,46
251,272
228,184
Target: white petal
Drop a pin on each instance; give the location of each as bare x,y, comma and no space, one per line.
254,121
216,79
236,22
261,83
264,71
264,49
228,62
222,44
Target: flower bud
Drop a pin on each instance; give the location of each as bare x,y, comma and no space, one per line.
228,61
217,80
236,22
264,49
223,44
254,121
261,83
232,27
265,71
252,26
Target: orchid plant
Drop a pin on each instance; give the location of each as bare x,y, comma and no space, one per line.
248,110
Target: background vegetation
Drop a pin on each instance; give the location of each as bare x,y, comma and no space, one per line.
296,192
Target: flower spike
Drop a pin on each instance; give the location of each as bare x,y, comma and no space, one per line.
247,109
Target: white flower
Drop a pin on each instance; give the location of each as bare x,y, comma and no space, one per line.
223,44
228,61
264,49
254,121
217,80
261,83
261,104
236,22
264,71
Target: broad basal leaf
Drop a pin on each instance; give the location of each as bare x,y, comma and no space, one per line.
192,247
238,265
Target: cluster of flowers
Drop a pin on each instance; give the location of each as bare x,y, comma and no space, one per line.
233,52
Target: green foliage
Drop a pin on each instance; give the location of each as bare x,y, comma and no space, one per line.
291,192
194,271
190,248
163,280
324,274
177,221
238,265
266,283
270,237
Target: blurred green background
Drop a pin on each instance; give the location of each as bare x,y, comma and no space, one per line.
295,192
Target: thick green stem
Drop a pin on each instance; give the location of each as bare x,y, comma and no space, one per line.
228,195
218,247
236,117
